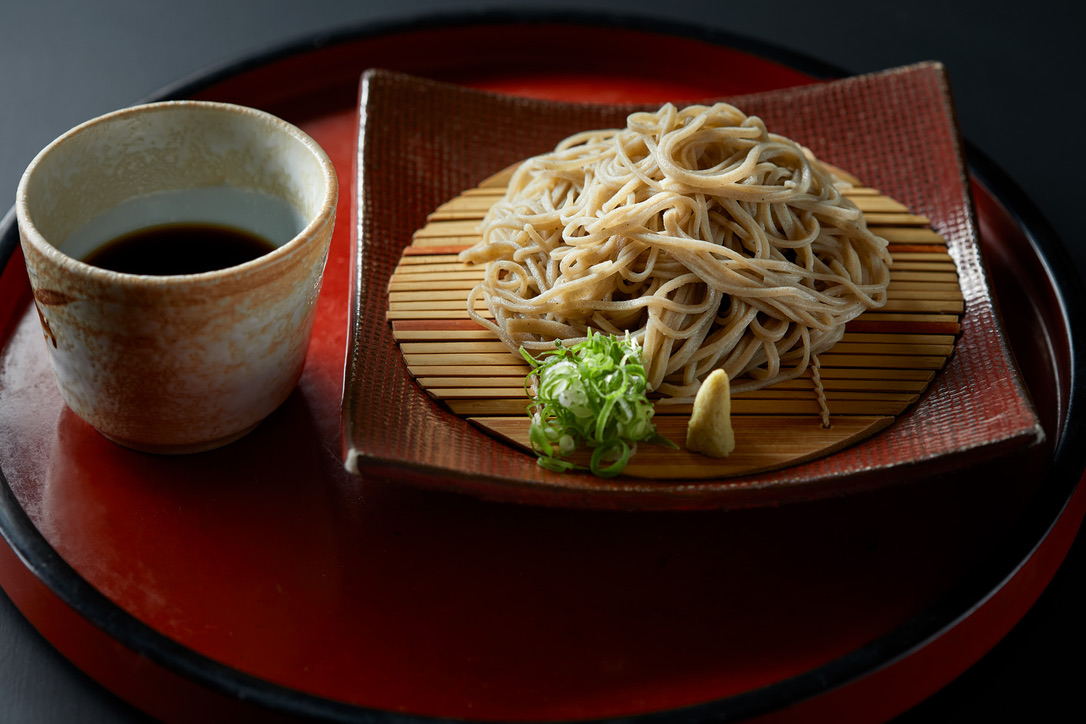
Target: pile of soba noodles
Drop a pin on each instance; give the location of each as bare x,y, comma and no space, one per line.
715,243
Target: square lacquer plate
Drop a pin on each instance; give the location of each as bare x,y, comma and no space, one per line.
923,386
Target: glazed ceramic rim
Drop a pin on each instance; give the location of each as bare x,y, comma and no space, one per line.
1038,522
307,235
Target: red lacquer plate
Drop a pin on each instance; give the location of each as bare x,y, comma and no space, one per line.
262,581
423,142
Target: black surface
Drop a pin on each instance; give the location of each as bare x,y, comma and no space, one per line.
1016,71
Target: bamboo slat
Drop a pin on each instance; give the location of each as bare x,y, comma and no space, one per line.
885,361
797,440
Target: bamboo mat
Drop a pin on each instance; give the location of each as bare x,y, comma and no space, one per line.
883,364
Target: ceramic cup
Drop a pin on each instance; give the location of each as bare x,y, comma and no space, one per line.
188,362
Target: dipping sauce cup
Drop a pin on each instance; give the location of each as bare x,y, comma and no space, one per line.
167,362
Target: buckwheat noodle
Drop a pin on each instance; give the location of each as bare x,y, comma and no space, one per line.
712,241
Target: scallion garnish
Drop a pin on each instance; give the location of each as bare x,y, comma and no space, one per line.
592,394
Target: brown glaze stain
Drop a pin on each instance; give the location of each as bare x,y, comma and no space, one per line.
45,328
50,297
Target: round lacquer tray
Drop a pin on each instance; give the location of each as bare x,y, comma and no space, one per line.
264,581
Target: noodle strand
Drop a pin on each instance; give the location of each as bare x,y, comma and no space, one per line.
715,243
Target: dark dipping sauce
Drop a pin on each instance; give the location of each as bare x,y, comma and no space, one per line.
173,249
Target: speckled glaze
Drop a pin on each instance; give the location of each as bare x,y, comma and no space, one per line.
176,364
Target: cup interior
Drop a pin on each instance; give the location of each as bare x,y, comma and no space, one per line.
170,163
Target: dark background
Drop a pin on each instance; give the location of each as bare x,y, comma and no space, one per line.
1017,71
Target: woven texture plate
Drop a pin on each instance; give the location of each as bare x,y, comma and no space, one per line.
422,143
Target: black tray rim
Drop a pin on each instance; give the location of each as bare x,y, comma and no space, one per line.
1064,475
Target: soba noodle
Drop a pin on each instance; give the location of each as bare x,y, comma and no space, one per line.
713,242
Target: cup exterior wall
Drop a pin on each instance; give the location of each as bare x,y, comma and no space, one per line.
160,371
180,364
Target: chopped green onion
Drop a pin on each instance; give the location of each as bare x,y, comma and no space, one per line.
590,394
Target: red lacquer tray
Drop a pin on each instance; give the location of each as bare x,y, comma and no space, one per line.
263,581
